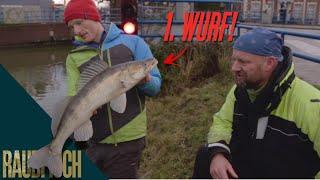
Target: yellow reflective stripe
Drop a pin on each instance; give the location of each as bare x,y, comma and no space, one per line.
111,124
318,175
108,105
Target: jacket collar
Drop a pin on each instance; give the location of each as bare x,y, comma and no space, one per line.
286,68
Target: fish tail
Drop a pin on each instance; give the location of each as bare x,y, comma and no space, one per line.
44,157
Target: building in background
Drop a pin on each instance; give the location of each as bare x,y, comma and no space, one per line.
282,11
26,11
44,4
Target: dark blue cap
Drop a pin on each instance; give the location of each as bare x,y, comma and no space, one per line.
260,42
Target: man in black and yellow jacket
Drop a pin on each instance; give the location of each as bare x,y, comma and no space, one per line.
269,126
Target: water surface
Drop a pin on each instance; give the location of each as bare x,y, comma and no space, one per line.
40,70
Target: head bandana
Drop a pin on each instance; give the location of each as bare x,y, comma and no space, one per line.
260,42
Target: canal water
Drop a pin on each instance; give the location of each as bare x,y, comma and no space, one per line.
40,70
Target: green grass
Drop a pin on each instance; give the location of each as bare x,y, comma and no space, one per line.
180,117
200,62
178,125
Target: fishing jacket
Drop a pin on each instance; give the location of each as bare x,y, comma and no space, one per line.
109,126
277,135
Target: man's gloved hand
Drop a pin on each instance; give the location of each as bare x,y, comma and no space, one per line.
221,168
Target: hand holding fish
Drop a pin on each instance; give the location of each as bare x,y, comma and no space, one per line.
95,113
146,79
143,81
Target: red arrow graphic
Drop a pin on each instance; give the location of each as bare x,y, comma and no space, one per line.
170,59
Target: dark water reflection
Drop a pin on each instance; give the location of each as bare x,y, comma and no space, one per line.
40,70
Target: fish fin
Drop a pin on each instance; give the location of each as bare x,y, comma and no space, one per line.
56,115
91,69
84,132
43,157
119,104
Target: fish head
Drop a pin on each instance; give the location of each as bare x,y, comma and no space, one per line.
150,64
140,69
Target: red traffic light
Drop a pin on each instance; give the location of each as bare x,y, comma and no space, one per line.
129,27
129,23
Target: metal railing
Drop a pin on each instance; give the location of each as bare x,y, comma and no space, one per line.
20,16
256,16
28,17
194,1
161,19
148,12
283,33
163,22
111,15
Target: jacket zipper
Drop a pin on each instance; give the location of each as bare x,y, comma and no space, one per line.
108,105
111,125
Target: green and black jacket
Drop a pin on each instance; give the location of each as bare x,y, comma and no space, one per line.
277,135
109,126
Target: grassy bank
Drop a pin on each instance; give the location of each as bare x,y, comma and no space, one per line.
180,117
200,62
178,125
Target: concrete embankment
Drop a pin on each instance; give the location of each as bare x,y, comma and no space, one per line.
18,34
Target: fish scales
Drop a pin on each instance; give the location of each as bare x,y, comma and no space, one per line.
104,87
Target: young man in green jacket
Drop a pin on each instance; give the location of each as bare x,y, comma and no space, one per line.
269,125
118,138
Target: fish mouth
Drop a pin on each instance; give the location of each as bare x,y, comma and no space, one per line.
151,63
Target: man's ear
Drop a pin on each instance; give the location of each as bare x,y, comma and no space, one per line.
271,63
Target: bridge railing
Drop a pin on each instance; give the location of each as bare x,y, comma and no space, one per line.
158,22
282,33
19,15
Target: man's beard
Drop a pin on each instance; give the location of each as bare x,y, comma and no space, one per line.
244,83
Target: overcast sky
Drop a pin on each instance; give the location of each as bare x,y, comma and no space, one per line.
61,1
58,1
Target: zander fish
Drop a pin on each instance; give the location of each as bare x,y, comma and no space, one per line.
98,85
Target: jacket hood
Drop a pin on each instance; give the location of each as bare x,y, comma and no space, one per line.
286,67
112,32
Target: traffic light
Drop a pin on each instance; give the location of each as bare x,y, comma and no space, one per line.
129,22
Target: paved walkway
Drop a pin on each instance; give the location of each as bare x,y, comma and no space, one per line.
290,26
307,70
